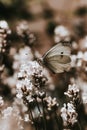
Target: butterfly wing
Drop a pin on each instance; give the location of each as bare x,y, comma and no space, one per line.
58,49
57,59
57,64
55,68
62,59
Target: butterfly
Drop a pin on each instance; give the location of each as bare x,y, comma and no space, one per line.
57,59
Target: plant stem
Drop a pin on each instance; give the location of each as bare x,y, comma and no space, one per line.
57,121
44,118
79,125
38,106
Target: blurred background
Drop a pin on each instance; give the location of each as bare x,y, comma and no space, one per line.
44,15
29,28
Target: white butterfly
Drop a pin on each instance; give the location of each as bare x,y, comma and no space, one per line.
57,59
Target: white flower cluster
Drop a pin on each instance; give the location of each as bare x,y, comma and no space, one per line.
22,27
83,43
77,60
28,76
24,55
4,25
4,32
1,101
1,68
26,118
7,112
11,117
68,114
73,91
24,32
83,86
84,97
61,33
51,103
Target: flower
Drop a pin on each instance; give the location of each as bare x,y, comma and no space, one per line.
61,33
84,97
2,68
1,101
24,32
4,32
11,117
51,103
7,112
4,25
73,91
30,78
68,114
26,118
83,43
24,55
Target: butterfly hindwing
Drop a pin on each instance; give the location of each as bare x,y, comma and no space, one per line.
62,59
57,67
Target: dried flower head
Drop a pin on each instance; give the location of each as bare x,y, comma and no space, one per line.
24,55
51,103
1,102
4,25
1,68
26,118
24,32
68,114
11,117
7,112
73,91
30,78
74,94
84,97
83,43
61,33
4,32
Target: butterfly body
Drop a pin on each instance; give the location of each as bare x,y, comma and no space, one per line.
57,59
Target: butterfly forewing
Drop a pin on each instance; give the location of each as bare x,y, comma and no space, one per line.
58,50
